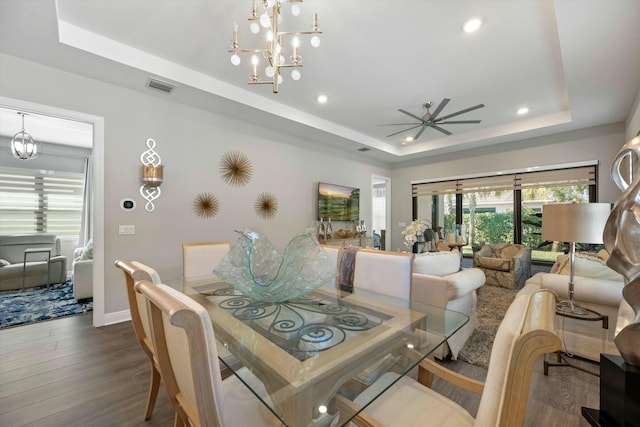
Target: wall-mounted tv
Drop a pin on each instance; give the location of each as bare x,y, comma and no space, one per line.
338,202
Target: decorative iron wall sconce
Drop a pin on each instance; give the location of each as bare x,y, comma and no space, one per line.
151,175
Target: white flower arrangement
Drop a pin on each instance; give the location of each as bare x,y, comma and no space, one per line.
411,232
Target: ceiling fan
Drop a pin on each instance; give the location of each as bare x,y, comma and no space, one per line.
432,120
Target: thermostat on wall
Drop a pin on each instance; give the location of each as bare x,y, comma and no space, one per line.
127,204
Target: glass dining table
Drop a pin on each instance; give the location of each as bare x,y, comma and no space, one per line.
310,359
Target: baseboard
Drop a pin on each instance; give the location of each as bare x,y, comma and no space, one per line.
117,317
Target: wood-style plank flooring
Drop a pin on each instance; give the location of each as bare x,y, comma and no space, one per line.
65,372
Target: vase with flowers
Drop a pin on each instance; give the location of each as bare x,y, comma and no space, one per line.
413,234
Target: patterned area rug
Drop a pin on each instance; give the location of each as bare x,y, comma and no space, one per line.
493,302
35,304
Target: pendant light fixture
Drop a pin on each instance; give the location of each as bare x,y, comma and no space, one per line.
23,146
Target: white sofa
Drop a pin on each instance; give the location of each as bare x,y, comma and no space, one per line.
438,280
13,268
83,272
596,287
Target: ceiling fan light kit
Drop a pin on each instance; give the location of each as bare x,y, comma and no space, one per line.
432,120
276,50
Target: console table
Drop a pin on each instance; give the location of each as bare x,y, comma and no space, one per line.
363,241
30,251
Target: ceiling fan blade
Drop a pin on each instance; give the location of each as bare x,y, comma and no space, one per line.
457,122
404,130
438,128
466,110
400,124
412,115
439,108
415,138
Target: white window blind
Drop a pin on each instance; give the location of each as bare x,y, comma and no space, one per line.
33,201
585,175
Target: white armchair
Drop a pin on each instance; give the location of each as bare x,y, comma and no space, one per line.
438,280
82,278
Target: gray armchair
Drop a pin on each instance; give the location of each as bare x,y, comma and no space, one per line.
506,265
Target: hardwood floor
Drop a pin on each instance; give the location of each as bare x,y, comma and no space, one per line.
65,372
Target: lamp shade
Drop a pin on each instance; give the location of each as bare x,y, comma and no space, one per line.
575,222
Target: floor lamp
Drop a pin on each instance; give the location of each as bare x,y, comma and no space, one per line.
574,222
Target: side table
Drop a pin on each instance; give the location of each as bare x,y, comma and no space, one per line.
30,251
561,358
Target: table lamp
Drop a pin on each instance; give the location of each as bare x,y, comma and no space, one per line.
574,222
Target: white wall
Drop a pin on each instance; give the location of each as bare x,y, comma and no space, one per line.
191,143
599,143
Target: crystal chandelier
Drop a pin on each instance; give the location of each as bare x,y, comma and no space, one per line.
23,146
277,42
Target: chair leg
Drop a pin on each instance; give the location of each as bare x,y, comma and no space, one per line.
154,386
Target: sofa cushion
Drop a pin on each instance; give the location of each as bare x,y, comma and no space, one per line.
87,252
587,265
493,263
437,263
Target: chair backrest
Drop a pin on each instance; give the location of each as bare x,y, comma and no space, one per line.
200,258
383,272
134,271
187,356
333,252
526,332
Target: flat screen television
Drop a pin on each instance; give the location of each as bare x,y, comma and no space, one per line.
338,202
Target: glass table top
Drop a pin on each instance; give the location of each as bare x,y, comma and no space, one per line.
308,359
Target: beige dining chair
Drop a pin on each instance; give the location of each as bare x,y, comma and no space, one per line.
333,253
186,349
200,258
383,272
526,333
134,271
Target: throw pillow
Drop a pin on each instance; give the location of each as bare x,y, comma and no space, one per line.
4,263
493,263
87,252
437,263
587,265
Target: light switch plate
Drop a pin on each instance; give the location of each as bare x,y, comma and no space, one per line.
127,229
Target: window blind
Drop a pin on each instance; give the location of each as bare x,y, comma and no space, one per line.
585,175
33,201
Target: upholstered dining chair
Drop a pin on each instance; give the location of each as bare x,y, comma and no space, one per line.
526,332
333,253
134,271
200,258
383,272
186,349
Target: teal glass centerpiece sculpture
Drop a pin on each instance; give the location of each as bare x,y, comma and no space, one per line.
256,269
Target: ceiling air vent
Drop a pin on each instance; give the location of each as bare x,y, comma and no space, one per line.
363,149
160,85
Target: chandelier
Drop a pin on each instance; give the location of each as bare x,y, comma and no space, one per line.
278,43
22,145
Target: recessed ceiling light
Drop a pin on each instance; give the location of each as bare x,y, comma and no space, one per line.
522,111
409,139
472,25
322,99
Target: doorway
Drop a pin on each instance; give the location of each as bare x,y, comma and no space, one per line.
381,208
97,186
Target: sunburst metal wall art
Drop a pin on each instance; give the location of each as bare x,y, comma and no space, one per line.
266,205
235,168
206,205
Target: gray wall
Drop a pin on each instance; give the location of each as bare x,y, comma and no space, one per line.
190,142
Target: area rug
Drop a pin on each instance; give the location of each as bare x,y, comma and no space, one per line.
493,302
35,304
